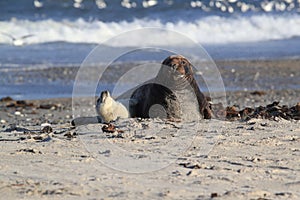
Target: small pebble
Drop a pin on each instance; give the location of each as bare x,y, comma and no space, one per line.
251,128
2,121
45,124
264,124
17,113
213,195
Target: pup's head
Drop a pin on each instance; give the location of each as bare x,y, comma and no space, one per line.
104,96
179,64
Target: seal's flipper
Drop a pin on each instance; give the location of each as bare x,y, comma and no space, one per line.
85,120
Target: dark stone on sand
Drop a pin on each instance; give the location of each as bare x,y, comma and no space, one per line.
258,93
213,195
13,127
48,106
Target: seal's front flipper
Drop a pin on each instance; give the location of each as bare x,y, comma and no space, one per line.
85,120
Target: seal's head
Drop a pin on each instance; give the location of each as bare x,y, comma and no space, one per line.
179,64
176,71
104,96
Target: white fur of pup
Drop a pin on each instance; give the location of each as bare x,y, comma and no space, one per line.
108,109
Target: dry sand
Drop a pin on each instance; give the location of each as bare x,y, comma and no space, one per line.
154,159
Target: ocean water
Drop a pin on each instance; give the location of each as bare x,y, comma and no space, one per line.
62,33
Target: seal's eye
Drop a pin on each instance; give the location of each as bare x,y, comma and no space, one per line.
183,62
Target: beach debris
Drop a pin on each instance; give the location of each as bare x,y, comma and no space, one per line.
264,124
42,137
192,173
19,103
190,165
29,150
251,128
14,127
214,195
258,93
245,113
70,134
50,106
106,153
150,137
232,112
272,111
46,129
110,128
295,111
6,99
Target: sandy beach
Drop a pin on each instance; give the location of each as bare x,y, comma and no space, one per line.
44,157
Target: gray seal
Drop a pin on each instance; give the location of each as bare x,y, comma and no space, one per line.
172,94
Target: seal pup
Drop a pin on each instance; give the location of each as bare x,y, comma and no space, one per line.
173,92
108,109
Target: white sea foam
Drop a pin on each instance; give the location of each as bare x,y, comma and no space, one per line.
208,30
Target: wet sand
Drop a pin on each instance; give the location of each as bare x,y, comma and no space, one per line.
43,156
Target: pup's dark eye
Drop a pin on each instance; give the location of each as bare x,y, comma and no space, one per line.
183,62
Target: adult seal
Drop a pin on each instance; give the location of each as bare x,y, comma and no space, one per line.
172,94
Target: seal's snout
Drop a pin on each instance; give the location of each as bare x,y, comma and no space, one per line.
104,95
